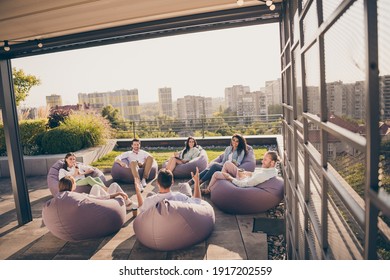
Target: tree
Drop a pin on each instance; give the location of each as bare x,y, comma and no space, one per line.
22,84
112,115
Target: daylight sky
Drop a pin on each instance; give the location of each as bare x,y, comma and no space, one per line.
202,64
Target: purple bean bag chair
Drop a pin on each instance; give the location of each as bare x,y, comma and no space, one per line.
236,200
52,178
248,163
174,225
183,171
124,175
73,216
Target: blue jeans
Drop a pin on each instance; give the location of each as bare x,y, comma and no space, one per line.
206,174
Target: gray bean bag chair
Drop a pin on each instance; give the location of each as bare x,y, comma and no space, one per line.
248,163
174,225
52,178
124,175
73,216
183,171
236,200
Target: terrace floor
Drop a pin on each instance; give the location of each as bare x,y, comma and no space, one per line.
232,239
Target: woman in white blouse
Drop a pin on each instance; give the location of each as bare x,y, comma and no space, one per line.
79,172
190,152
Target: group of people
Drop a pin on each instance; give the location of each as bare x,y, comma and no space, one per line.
73,174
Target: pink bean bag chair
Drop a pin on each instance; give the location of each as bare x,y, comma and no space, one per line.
52,178
174,225
183,171
124,175
73,216
236,200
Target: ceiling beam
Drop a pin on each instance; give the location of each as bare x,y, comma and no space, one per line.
147,30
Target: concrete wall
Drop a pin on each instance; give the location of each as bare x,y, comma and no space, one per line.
40,165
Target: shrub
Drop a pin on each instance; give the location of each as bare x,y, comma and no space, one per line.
29,131
93,129
61,140
56,117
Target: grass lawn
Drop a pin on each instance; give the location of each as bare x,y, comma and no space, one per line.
162,155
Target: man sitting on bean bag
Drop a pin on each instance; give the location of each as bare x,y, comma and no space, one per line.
165,182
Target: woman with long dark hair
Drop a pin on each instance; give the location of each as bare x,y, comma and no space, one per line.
190,152
79,172
234,153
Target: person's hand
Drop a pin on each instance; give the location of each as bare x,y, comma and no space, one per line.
122,194
89,171
121,163
195,177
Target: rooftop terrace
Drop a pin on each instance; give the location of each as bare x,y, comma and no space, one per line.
233,237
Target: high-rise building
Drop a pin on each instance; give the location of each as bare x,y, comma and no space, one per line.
194,107
233,95
126,101
384,89
273,91
165,101
53,100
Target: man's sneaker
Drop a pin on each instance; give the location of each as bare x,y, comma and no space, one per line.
143,183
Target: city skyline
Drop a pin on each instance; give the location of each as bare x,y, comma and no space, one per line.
201,64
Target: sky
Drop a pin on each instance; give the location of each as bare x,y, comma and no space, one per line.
203,64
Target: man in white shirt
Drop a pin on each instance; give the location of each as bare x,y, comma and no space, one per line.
165,182
245,179
137,158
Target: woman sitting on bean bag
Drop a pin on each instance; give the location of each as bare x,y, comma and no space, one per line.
187,162
234,153
79,172
190,152
53,178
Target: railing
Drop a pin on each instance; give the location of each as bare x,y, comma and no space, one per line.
201,127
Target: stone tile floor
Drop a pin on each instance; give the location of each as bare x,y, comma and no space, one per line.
232,238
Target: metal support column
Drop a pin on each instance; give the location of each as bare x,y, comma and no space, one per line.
12,140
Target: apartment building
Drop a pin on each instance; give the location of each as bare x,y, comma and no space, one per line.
126,101
53,100
165,104
233,96
193,107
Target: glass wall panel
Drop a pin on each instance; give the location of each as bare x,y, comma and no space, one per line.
329,7
298,83
345,69
295,22
349,163
310,23
345,236
312,79
384,91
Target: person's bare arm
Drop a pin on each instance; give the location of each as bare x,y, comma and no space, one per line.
122,194
195,178
140,199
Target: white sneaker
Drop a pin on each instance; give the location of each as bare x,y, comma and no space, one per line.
143,182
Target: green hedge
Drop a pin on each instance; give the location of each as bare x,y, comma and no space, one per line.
61,140
30,130
80,130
